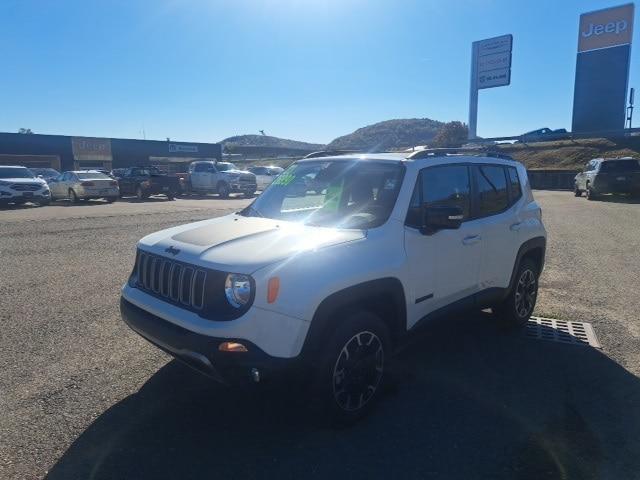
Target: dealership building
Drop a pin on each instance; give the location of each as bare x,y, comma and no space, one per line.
73,153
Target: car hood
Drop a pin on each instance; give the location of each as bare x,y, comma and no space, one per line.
243,244
23,180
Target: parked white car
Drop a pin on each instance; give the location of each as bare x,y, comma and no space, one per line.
19,185
84,185
325,285
265,175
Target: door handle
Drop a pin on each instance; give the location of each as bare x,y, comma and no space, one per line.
515,226
471,239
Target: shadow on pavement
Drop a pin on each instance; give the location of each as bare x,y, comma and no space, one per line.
472,402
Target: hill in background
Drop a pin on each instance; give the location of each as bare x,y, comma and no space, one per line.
270,142
389,135
571,154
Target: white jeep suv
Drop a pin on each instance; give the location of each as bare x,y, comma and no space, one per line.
327,270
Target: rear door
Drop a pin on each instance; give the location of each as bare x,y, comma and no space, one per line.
500,222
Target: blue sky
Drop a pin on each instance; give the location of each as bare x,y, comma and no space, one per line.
202,70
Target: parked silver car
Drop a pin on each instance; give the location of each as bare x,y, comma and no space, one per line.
84,185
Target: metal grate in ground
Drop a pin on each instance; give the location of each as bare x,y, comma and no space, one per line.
561,331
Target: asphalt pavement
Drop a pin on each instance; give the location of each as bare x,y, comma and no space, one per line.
83,397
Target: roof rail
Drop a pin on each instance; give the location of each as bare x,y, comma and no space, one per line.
332,153
443,152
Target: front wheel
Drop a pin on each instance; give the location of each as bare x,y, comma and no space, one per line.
590,193
576,191
111,199
351,374
517,308
140,194
223,190
73,197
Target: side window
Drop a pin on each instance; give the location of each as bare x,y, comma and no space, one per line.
492,189
441,186
201,167
514,185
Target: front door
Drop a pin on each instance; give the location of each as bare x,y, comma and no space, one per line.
443,266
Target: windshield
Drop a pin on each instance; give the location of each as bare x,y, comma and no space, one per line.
92,176
224,166
619,166
15,172
342,194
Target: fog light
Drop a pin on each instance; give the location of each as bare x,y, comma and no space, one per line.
232,347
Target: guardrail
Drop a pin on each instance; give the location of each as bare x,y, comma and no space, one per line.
552,179
550,137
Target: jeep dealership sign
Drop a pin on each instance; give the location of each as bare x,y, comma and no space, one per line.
602,69
606,28
490,67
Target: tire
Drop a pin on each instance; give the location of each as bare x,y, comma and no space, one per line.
576,191
249,194
73,197
517,308
140,194
223,190
44,203
590,194
111,199
170,196
349,390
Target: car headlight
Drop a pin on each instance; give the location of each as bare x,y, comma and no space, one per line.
237,289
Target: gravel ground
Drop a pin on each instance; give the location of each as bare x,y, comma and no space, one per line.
81,396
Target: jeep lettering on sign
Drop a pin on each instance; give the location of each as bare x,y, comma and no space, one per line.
606,28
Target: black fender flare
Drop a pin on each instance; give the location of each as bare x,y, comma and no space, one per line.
386,293
536,244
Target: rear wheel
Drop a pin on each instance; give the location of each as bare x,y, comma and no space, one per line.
517,308
352,371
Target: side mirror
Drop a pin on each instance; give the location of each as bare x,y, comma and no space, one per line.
440,218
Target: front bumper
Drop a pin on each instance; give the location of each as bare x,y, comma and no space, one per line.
244,187
8,196
201,351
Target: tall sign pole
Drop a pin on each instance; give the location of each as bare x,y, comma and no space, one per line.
490,67
473,93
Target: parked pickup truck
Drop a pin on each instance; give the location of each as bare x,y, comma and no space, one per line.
222,178
146,181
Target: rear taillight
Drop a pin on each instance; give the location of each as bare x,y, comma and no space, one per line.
113,183
87,184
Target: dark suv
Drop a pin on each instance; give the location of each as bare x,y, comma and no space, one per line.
608,175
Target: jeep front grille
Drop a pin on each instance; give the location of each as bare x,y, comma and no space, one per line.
174,281
26,187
